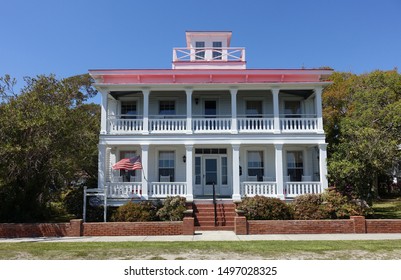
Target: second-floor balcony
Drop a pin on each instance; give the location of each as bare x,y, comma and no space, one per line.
124,124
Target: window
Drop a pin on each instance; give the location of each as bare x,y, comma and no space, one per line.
254,109
128,110
167,107
166,165
217,51
295,165
255,164
198,170
224,176
199,50
292,109
128,175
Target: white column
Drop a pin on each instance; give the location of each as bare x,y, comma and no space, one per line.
189,172
146,93
279,170
101,166
234,129
145,170
323,165
189,110
319,114
236,177
276,113
104,109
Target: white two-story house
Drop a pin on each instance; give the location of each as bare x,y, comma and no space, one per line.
211,121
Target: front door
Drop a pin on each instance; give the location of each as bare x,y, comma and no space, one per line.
211,176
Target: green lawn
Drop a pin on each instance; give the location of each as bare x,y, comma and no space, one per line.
387,209
385,249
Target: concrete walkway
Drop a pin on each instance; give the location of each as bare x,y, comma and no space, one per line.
209,236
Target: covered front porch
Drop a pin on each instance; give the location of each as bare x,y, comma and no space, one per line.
234,171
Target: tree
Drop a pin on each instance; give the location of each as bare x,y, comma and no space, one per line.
364,129
48,139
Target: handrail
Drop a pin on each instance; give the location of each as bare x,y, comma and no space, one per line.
214,204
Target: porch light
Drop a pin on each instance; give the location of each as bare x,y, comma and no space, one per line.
184,158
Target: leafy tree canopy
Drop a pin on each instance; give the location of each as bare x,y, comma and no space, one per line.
48,139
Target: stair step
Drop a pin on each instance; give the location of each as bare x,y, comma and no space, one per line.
208,228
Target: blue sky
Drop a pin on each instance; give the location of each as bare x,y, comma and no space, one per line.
69,37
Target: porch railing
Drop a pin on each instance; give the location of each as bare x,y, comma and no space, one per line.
124,190
298,124
120,124
164,189
207,125
255,124
259,188
168,125
208,54
293,189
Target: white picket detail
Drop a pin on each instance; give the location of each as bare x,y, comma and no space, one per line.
124,190
298,124
259,188
293,189
255,124
165,189
212,125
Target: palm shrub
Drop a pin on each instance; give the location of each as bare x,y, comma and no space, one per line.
265,208
173,209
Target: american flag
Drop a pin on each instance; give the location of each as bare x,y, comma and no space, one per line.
128,164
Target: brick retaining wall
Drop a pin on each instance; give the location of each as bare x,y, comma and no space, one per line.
356,224
78,228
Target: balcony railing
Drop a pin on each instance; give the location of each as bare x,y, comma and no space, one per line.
124,190
118,124
167,124
298,124
208,54
261,124
207,125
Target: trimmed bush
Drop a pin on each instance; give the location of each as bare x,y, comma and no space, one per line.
173,209
265,208
329,205
144,211
308,207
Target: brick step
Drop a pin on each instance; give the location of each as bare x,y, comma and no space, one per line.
203,221
211,223
211,216
210,228
210,206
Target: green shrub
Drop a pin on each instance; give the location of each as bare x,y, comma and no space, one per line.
173,209
136,212
328,205
308,207
265,208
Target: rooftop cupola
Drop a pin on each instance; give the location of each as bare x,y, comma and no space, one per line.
208,50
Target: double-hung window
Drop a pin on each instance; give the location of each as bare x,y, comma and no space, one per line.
255,164
254,108
128,110
295,165
167,108
128,175
199,50
292,109
166,166
217,51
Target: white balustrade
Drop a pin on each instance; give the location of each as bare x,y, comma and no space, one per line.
120,125
259,188
211,125
165,189
293,189
208,54
124,190
167,125
298,124
255,124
